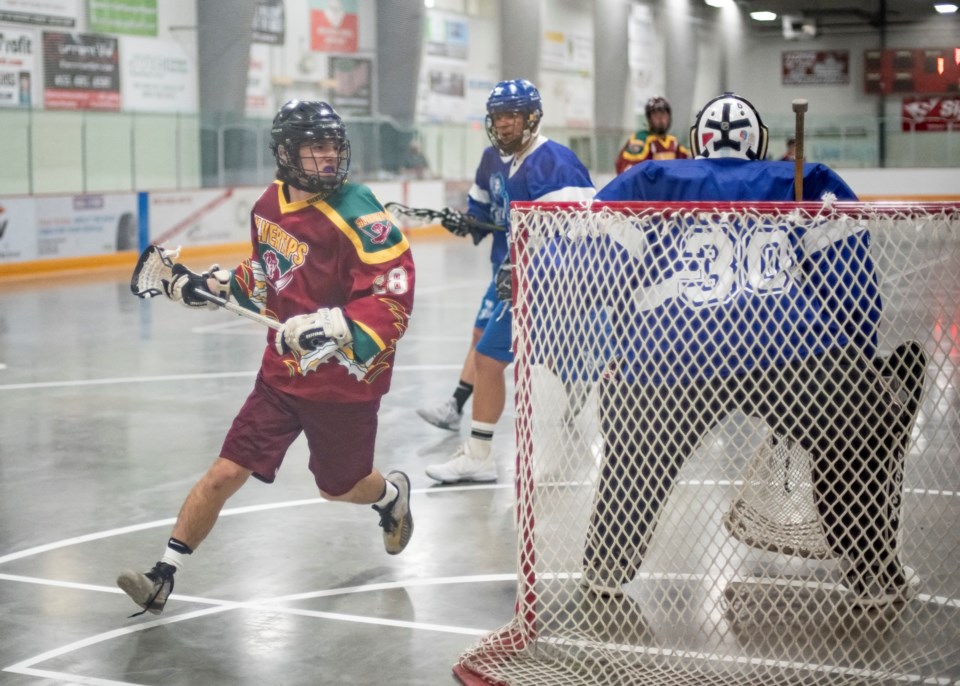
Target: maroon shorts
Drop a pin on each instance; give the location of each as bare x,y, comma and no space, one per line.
340,436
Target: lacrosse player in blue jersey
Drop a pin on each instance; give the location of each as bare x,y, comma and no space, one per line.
521,164
776,320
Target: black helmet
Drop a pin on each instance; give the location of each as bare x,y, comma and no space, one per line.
302,121
658,104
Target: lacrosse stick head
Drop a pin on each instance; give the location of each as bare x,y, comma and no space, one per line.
153,268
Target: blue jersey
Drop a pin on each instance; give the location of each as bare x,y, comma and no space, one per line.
548,171
722,179
725,297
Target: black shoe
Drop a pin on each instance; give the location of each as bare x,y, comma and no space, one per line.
396,519
149,590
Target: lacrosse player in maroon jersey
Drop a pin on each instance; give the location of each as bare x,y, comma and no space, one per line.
328,262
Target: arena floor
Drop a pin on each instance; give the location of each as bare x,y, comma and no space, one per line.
111,408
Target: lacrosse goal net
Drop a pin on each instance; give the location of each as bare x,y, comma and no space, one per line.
737,580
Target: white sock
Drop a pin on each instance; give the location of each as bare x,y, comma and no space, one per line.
172,557
390,494
481,440
176,553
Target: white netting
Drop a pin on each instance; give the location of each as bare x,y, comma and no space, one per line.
737,446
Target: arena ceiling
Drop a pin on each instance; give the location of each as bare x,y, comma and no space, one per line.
838,15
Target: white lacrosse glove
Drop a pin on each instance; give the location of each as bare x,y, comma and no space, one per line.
184,285
306,332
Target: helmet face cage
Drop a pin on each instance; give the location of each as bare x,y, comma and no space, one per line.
518,96
729,126
300,122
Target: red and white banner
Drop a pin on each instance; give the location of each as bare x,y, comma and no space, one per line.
333,25
934,113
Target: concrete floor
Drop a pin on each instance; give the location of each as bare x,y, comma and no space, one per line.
111,408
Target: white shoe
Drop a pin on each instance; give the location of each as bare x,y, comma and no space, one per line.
444,416
463,467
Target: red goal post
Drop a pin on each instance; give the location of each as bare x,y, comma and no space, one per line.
744,573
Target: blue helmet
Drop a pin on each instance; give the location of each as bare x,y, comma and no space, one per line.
305,121
515,96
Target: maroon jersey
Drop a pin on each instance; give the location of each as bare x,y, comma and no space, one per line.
643,146
341,251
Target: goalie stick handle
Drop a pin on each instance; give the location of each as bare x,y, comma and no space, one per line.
799,108
237,309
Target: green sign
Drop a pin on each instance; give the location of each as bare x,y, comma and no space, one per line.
129,17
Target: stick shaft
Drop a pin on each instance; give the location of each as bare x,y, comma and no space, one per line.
237,309
798,155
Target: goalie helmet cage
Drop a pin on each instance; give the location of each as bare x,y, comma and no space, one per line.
738,582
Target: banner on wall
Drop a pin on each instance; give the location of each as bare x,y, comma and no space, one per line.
814,67
128,17
268,22
644,57
83,225
81,72
157,76
936,113
259,94
17,63
352,92
570,52
333,25
202,217
59,13
444,37
18,230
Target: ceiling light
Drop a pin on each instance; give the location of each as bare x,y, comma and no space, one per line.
718,3
763,16
945,8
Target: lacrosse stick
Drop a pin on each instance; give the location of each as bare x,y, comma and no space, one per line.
156,265
439,215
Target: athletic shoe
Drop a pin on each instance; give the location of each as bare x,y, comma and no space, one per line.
444,416
872,589
149,590
463,467
396,518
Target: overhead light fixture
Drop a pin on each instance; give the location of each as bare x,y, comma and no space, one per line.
763,16
719,3
945,8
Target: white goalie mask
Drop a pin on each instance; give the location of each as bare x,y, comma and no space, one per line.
729,126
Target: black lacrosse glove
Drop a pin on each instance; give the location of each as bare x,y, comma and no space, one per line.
184,285
478,234
455,222
503,281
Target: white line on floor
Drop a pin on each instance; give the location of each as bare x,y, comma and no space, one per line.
399,369
86,538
